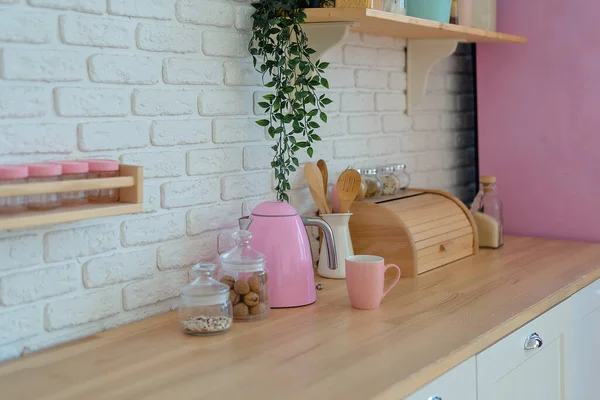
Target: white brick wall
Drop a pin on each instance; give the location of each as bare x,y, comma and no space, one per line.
168,84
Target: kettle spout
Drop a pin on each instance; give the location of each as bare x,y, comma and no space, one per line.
244,223
329,240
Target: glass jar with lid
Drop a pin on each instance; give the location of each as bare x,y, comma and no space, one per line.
363,187
244,271
204,307
372,182
389,181
402,176
487,212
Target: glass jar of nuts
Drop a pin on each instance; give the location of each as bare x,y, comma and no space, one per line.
204,307
244,271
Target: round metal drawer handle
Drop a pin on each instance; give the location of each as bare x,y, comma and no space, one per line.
534,341
435,398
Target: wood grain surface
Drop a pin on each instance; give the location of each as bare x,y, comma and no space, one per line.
378,22
424,327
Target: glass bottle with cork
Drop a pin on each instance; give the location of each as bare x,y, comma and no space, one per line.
487,212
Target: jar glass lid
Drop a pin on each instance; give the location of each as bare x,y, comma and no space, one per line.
205,285
242,257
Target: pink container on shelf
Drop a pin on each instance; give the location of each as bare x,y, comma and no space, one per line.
44,172
103,169
13,174
73,170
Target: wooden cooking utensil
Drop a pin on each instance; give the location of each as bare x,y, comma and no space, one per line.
323,168
315,184
347,188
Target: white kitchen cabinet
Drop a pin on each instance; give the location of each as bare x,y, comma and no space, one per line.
584,348
460,383
508,370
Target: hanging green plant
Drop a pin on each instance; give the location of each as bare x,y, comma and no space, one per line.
280,52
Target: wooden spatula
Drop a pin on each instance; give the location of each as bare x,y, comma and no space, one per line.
315,184
347,187
323,168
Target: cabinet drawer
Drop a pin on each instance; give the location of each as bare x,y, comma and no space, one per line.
506,355
460,383
586,300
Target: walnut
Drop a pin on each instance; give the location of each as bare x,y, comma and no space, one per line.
234,297
258,309
251,299
241,286
240,310
228,280
255,283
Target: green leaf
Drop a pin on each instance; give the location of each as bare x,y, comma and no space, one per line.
269,97
327,101
302,145
291,168
263,122
295,161
323,65
264,104
313,112
270,84
310,51
288,118
313,124
325,83
315,137
323,117
309,151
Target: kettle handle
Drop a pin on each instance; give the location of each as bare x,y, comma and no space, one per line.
328,235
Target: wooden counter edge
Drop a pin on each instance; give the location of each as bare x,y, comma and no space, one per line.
432,372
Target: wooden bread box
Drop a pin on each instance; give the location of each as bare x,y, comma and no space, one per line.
418,230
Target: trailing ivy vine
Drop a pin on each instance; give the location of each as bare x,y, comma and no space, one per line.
280,52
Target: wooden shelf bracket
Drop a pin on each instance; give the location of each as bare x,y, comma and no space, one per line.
323,36
421,56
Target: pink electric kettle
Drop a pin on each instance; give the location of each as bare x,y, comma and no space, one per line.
278,232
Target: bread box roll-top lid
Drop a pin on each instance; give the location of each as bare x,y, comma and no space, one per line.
274,209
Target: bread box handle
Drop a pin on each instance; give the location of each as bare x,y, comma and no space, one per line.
445,246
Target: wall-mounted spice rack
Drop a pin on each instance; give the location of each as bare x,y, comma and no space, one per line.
129,182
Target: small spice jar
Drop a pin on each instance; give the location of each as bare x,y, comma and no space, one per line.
73,170
44,172
204,307
13,174
373,183
389,181
103,169
244,271
402,175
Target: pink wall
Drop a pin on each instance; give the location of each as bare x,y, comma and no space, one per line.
539,117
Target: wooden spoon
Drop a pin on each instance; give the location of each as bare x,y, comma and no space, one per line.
315,184
323,168
347,188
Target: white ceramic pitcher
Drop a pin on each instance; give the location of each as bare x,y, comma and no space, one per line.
343,243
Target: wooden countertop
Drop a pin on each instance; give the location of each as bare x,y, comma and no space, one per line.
424,327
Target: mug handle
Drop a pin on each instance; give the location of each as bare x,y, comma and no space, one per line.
395,280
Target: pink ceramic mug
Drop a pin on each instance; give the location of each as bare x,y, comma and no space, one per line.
364,280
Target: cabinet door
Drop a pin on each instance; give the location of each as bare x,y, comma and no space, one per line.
508,370
585,344
460,383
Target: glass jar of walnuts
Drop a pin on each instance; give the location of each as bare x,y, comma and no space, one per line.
244,271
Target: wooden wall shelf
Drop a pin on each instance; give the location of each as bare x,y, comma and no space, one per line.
376,22
427,41
130,183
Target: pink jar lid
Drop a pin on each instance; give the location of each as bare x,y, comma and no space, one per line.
44,169
73,167
10,172
103,165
